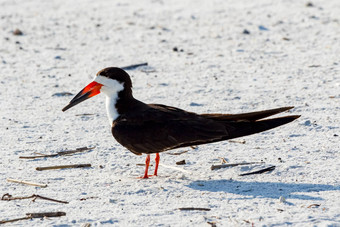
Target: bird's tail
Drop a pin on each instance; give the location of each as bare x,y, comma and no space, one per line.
238,125
243,128
245,124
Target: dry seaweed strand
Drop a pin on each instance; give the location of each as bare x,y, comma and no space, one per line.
194,208
61,153
46,214
14,220
213,167
131,67
8,197
271,168
35,215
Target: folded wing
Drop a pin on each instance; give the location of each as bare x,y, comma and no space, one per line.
161,128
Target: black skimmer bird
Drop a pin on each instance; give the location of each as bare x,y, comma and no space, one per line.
152,128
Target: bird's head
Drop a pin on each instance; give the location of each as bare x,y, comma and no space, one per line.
109,81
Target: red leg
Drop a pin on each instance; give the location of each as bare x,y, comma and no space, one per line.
157,162
147,163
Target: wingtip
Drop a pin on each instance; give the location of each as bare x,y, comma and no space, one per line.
65,108
288,108
287,118
295,116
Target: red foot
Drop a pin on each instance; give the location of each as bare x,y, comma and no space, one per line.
145,177
147,163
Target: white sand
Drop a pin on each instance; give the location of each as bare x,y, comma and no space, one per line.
220,70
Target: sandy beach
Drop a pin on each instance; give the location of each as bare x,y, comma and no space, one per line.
203,56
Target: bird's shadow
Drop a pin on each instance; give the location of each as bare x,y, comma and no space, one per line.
263,189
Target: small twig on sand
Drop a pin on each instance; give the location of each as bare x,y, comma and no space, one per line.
131,67
8,197
178,153
68,152
181,162
91,197
35,215
223,160
313,205
63,167
194,208
269,169
237,141
14,220
27,183
46,214
81,149
142,164
233,165
84,114
39,156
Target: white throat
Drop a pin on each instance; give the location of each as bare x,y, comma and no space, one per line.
111,110
110,88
